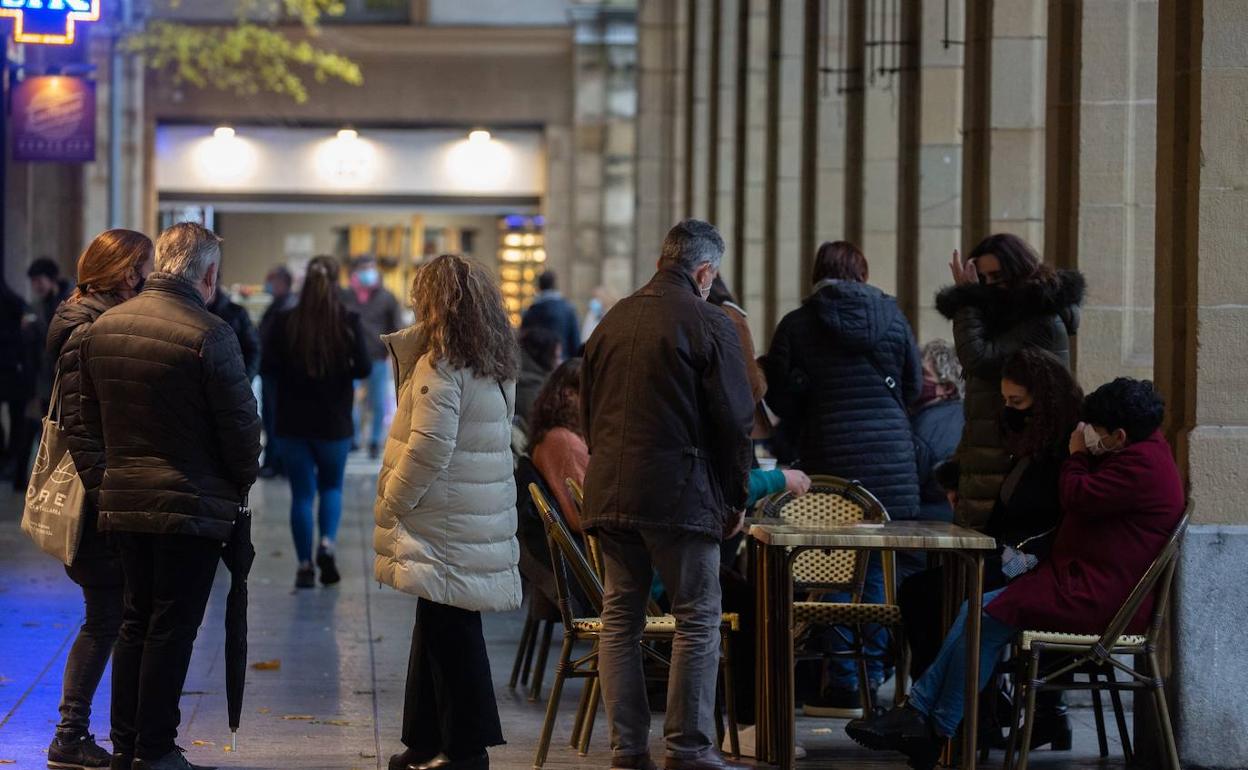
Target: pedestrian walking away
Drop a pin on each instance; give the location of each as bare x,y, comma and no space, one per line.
379,314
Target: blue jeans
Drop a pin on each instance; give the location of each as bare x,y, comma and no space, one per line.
843,672
377,388
941,692
314,466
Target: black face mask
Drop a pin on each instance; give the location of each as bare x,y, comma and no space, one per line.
1016,419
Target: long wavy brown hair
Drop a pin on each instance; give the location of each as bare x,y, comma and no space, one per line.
317,331
1057,398
460,318
110,260
558,404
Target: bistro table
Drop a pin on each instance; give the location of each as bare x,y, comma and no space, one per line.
775,544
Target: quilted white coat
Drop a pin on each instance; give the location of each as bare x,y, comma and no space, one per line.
445,512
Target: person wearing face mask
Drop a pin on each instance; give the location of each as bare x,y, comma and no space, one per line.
1003,299
1041,403
665,396
379,314
167,409
111,271
842,372
1119,509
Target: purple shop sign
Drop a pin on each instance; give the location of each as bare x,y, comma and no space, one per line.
54,119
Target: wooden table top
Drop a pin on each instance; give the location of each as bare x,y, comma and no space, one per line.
905,535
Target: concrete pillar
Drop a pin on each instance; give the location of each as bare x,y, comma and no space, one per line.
658,155
1202,317
751,291
1016,177
1116,201
788,284
880,148
940,163
830,191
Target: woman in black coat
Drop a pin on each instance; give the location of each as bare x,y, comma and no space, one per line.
841,371
1038,406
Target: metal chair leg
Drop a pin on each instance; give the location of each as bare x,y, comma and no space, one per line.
730,697
591,715
552,707
526,640
1169,748
582,705
1019,689
527,672
1120,717
1098,713
1029,713
543,651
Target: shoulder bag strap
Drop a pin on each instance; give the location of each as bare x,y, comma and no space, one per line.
890,382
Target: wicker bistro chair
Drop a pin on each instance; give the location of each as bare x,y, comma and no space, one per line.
567,558
1092,655
836,501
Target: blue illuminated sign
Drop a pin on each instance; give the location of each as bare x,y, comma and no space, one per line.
48,22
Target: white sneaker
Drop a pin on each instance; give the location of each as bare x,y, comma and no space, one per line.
747,738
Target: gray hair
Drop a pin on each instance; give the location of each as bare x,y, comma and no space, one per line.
691,244
187,250
944,361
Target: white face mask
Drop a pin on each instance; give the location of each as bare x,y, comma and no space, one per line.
705,291
1094,442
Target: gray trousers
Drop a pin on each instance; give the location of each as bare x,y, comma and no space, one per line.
688,564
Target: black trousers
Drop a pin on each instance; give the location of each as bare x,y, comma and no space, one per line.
167,582
449,705
98,571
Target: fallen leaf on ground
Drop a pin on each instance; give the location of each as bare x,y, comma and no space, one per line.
202,743
335,722
264,710
298,717
822,731
8,761
367,755
228,749
268,665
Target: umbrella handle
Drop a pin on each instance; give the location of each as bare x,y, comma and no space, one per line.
233,741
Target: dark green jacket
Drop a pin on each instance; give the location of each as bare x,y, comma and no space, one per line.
989,326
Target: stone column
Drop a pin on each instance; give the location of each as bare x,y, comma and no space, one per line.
880,148
940,164
1016,177
658,155
1202,321
1116,204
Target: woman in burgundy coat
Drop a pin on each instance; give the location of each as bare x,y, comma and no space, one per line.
1121,499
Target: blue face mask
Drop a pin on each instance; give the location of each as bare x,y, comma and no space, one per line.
369,277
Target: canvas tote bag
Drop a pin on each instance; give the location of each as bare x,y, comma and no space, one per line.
55,497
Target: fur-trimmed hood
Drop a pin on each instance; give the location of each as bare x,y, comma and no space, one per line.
1060,294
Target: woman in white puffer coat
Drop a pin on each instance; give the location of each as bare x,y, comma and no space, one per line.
445,512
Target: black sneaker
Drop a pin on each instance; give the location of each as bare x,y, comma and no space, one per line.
411,760
329,569
835,703
77,752
305,577
171,761
903,729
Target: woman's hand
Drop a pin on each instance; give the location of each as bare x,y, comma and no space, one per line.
964,270
796,482
1077,444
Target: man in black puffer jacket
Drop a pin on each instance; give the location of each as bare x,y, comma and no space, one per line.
841,371
163,386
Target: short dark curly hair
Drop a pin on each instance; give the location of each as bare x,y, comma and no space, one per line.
1133,405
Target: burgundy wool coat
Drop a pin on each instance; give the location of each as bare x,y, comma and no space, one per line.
1118,512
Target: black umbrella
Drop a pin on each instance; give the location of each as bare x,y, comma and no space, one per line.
238,556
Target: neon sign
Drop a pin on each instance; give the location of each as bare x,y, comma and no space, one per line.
48,22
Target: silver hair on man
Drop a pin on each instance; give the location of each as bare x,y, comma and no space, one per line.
691,244
187,250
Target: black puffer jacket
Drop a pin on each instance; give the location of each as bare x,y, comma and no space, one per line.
162,383
66,332
236,316
827,374
667,411
989,326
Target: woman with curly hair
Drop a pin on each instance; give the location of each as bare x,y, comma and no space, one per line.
446,507
556,442
1041,406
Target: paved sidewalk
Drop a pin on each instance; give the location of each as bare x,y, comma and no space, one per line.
336,700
